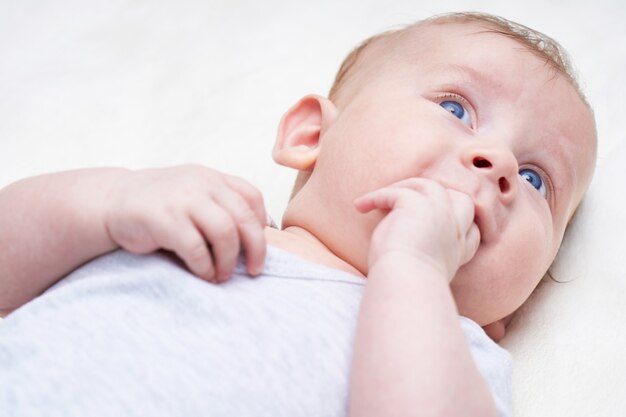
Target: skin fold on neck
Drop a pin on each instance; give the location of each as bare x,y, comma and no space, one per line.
300,242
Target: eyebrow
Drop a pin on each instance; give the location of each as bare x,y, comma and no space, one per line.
475,75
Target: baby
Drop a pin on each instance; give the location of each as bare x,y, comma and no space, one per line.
437,180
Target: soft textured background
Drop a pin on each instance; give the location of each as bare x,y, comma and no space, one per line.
143,83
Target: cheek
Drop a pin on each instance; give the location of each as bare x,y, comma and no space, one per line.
359,160
504,274
531,241
530,238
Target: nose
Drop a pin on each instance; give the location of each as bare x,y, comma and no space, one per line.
497,165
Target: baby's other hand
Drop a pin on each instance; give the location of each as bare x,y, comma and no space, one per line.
426,221
202,215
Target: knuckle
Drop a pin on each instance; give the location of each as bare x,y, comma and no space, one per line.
256,197
169,209
196,250
246,216
225,230
252,194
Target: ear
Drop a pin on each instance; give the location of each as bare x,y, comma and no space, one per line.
300,130
497,329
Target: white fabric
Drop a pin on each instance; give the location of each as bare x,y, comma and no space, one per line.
140,336
152,83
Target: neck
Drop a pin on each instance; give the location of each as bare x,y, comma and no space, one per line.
301,242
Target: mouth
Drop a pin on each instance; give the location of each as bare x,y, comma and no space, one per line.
480,230
485,224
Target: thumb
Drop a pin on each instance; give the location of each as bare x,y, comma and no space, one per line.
472,241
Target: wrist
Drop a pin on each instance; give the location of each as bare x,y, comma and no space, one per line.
105,182
426,265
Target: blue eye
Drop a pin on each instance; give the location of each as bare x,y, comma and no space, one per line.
457,110
534,179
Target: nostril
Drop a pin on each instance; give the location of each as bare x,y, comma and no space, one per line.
481,163
504,185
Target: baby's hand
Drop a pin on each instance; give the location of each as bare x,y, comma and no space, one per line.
427,221
204,216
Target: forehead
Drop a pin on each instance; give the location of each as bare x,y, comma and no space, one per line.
506,81
482,50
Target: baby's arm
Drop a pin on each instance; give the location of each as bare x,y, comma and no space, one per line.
411,356
53,223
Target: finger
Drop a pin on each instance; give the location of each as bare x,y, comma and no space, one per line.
220,231
365,203
463,210
184,239
414,183
384,198
251,194
423,186
251,232
472,241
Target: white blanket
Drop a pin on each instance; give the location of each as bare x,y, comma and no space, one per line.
152,83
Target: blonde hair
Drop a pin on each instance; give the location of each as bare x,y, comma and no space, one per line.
538,43
543,46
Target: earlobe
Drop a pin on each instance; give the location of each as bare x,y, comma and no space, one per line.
300,130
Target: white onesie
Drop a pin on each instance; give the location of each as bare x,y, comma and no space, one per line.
131,335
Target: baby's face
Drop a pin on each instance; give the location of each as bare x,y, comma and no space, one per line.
480,114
